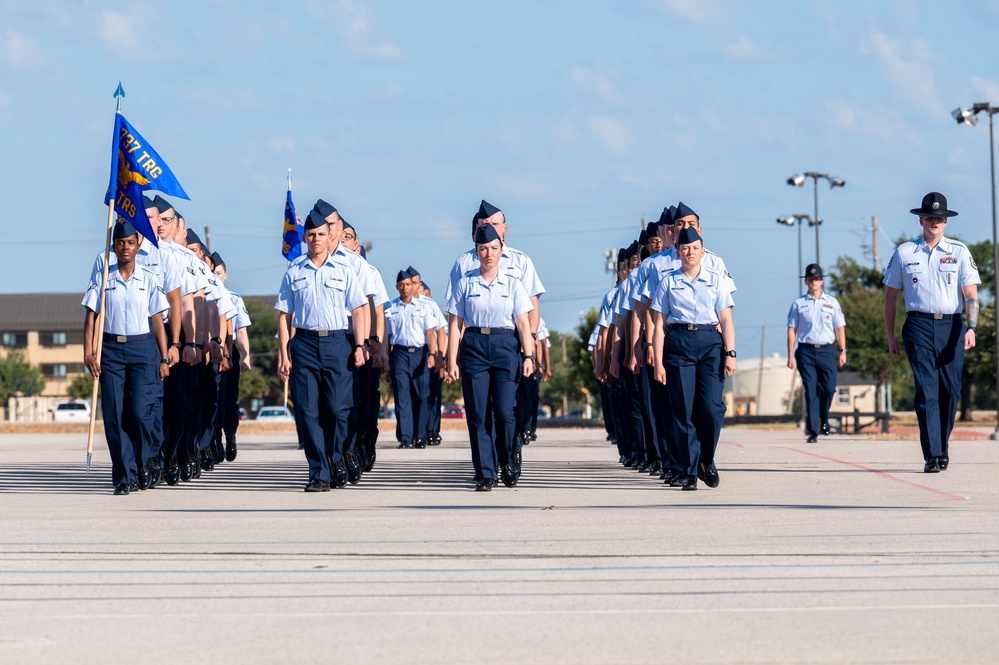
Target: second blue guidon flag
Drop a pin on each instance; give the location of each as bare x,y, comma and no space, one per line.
291,236
136,167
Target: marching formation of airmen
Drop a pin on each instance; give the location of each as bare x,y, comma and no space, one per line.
663,343
175,342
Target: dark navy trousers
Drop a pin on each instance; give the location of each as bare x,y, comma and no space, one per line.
527,402
179,398
817,367
130,385
208,381
695,382
436,389
412,385
323,386
227,419
936,353
489,368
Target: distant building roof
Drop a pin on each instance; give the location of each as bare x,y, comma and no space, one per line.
41,311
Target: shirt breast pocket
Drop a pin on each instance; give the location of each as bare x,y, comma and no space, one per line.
914,273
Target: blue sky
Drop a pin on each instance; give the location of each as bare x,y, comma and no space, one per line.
576,118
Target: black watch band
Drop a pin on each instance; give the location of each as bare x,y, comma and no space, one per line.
375,339
217,340
358,346
164,361
177,345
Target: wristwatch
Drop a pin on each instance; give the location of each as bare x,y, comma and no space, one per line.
375,339
531,358
730,354
165,361
973,329
358,346
646,345
177,345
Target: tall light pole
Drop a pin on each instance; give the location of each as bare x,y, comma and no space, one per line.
966,117
798,180
792,220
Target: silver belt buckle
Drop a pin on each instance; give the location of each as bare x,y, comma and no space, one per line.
692,326
817,346
121,339
410,349
485,331
937,316
322,333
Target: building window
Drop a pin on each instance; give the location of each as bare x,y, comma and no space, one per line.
53,339
17,340
57,371
843,396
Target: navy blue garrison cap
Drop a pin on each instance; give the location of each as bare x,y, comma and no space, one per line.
402,276
147,202
642,237
217,259
323,208
346,224
487,209
622,254
364,255
683,210
314,220
486,234
162,204
413,271
632,250
192,238
688,235
123,229
650,230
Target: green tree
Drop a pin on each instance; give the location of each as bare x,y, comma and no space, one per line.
563,384
263,353
17,377
81,387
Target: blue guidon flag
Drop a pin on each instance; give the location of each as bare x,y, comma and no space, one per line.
291,236
136,167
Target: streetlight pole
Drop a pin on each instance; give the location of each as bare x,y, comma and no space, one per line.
969,117
792,220
798,180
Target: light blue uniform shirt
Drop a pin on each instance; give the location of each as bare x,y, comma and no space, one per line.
542,330
128,303
408,322
591,344
513,263
629,288
164,266
226,304
605,318
439,320
931,280
697,301
242,318
667,261
494,305
320,298
815,319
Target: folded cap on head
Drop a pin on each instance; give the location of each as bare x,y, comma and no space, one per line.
147,202
413,271
192,238
123,229
162,204
687,236
314,220
217,259
622,254
323,208
401,276
650,230
486,233
683,210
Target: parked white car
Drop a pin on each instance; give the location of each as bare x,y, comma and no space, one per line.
275,414
71,411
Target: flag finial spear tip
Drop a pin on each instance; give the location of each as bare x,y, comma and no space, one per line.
119,91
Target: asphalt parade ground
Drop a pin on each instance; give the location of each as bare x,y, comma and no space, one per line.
840,551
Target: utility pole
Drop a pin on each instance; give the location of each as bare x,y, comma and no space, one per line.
208,240
874,242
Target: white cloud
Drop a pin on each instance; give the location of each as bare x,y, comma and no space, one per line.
361,37
878,122
908,67
282,144
987,89
119,31
695,11
18,51
609,132
744,48
594,82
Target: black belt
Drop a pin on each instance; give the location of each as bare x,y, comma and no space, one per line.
320,333
931,315
407,349
815,346
699,327
124,339
491,331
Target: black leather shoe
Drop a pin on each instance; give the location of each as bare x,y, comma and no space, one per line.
484,485
708,473
656,468
339,475
420,443
230,451
155,471
932,465
144,478
689,483
944,462
353,469
186,470
207,460
678,479
121,489
405,444
509,475
219,452
370,462
811,439
316,485
824,429
171,474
